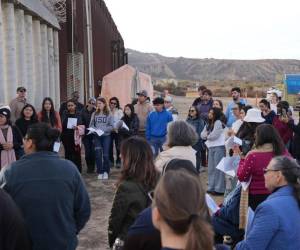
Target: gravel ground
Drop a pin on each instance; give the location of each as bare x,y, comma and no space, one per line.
94,235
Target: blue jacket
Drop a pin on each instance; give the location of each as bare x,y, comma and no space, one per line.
52,198
276,223
229,113
156,125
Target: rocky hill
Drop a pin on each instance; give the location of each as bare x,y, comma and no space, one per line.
209,69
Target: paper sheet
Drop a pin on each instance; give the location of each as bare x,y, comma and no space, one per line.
99,132
56,147
227,166
212,205
233,140
125,126
72,122
245,184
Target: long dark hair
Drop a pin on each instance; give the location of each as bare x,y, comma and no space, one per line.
42,136
52,117
196,110
138,162
217,115
266,133
33,118
180,200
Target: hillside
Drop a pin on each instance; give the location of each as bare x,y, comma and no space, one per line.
208,69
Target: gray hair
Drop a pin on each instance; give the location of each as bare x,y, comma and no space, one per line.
290,169
180,133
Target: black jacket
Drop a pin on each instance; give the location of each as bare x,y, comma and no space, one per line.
23,125
132,124
13,233
63,108
130,199
86,117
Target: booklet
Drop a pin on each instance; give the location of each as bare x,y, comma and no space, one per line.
72,122
212,205
99,132
121,124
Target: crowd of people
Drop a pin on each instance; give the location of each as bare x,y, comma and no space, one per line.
160,201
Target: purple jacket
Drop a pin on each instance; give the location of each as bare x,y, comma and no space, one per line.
203,109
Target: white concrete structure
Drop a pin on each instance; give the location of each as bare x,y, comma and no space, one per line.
29,51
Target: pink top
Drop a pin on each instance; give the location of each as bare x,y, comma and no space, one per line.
253,165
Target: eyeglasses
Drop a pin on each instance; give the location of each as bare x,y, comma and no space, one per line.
113,103
266,170
92,103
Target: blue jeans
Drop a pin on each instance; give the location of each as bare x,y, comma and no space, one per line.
102,144
156,144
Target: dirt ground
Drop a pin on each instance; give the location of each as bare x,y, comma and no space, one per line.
94,235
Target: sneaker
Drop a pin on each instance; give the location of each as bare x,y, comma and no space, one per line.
105,176
100,177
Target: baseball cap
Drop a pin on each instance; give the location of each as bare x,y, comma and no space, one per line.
21,89
143,93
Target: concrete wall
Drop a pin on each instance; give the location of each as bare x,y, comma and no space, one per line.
29,54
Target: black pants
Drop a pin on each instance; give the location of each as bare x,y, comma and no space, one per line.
89,150
114,141
72,152
256,199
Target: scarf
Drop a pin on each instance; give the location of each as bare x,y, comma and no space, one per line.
7,156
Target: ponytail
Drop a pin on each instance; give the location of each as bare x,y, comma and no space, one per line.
200,234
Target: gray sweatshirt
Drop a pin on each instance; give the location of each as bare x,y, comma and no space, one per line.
103,122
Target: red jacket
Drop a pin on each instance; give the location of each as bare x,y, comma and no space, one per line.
253,165
285,132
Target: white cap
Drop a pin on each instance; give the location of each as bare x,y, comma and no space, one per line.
254,115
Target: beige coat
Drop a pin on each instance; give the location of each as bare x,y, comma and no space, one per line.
142,111
16,106
176,152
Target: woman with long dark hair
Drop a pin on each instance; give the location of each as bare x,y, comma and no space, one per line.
117,114
28,117
214,135
72,149
267,145
179,212
138,177
131,120
49,115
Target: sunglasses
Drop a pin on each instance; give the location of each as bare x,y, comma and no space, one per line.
192,110
113,103
92,103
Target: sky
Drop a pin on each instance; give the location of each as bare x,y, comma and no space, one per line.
224,29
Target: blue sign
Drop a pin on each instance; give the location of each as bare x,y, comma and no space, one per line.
292,83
